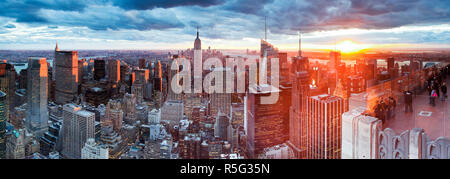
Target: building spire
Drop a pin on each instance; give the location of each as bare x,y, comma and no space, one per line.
197,32
56,48
265,28
299,44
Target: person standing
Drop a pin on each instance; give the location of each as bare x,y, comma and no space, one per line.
408,101
444,91
433,97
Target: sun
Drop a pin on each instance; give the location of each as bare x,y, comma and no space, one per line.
349,46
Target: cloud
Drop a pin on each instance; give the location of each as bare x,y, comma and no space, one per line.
176,20
151,4
9,26
28,11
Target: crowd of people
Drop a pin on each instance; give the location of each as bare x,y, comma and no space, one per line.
385,109
436,86
436,89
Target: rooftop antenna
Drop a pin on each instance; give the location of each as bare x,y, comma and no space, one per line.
265,27
299,44
197,31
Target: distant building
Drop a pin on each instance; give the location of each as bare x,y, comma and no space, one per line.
7,85
222,127
139,83
66,76
99,69
37,95
2,124
114,71
114,115
172,111
15,148
129,108
78,126
281,151
92,150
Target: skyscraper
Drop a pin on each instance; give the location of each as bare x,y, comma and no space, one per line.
198,63
298,112
114,115
2,125
114,71
78,126
141,77
66,87
264,122
37,93
99,69
324,134
7,85
129,108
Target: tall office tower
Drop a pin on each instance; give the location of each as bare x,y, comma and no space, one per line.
99,69
2,124
370,72
129,108
114,71
7,85
92,150
142,63
66,76
393,73
15,147
78,126
80,71
284,67
37,93
324,134
222,127
299,107
335,60
22,79
157,85
173,74
114,115
220,101
264,122
198,63
140,81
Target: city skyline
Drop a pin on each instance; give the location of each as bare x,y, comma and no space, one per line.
343,79
234,24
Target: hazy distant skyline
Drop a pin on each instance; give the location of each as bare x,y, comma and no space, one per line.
231,24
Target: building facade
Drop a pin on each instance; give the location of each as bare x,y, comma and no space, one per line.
37,95
78,127
66,76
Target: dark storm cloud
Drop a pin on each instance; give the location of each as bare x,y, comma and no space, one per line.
28,10
288,16
151,4
284,16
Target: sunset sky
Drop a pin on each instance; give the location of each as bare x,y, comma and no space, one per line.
224,24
